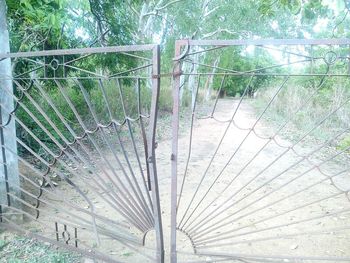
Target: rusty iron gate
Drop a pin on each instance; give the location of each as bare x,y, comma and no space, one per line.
78,143
85,148
246,189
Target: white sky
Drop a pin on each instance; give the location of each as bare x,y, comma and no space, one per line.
80,32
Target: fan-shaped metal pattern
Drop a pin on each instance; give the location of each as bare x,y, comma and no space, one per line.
241,189
85,148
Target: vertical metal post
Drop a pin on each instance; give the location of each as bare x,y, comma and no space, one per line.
57,234
151,154
175,135
4,163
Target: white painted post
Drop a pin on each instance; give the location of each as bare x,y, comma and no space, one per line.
9,178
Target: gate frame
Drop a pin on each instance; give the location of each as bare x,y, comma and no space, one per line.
151,145
179,45
177,72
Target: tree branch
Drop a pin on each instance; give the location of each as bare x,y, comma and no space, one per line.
98,38
157,9
168,4
218,31
211,11
133,8
99,22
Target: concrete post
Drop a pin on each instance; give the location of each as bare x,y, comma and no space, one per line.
9,178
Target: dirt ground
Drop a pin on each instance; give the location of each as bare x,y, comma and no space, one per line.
326,197
238,195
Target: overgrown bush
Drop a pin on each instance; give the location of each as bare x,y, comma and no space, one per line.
306,106
37,109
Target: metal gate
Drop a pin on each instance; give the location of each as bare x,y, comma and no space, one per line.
81,172
250,184
78,141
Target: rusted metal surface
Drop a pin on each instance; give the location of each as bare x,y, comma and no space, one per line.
152,156
174,154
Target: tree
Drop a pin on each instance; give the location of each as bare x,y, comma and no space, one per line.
51,24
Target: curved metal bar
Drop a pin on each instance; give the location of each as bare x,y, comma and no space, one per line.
190,238
184,53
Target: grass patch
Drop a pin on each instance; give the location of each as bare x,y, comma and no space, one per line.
326,110
25,250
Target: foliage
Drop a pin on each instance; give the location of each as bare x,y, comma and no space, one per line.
26,250
236,59
51,24
99,105
36,24
304,105
120,29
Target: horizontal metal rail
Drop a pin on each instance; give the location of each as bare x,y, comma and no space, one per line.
79,51
260,42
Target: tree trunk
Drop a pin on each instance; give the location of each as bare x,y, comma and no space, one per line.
193,79
182,82
210,80
9,178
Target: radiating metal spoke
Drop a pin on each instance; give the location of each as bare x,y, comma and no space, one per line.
79,171
239,146
267,196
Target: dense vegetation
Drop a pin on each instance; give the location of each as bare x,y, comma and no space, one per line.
56,24
51,24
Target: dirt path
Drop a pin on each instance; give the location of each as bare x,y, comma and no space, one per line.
252,181
240,209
